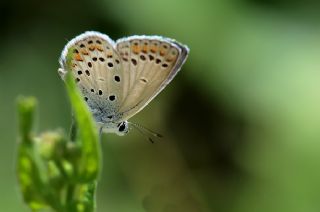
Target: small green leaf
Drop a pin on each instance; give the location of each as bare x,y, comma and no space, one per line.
26,110
54,172
27,169
87,139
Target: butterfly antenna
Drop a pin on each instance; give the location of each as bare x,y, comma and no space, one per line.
146,132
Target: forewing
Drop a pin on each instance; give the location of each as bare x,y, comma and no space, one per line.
149,64
96,67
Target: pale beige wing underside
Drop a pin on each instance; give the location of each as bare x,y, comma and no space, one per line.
97,69
119,79
149,64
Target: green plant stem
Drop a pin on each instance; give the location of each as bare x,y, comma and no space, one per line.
73,129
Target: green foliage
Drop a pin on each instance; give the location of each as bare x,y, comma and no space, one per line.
55,171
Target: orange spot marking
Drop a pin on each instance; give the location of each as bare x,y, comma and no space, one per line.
99,48
92,47
154,49
163,52
145,48
78,57
84,52
136,49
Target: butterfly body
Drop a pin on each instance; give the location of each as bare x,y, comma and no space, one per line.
118,79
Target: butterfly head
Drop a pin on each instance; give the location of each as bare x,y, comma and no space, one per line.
121,128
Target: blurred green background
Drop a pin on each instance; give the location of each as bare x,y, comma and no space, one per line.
241,120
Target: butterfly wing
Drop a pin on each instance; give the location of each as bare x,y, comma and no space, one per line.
96,67
119,79
149,63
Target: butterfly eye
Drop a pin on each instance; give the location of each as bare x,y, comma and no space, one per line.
122,127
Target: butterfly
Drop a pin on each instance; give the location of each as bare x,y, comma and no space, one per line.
118,79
